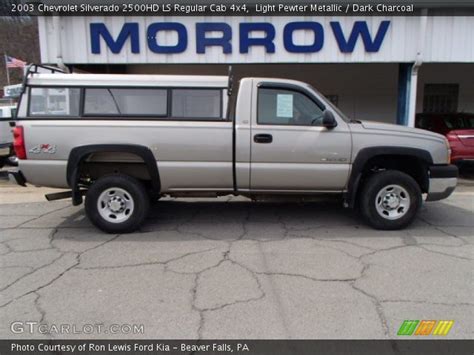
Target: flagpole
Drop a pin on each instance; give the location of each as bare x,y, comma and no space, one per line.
6,68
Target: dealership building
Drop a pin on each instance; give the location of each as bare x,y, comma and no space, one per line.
376,68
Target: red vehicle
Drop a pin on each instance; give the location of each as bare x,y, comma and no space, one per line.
458,129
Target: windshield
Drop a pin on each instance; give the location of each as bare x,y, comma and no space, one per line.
330,104
459,122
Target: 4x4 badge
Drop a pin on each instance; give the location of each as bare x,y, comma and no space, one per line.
43,148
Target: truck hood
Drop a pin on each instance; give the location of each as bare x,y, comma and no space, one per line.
398,129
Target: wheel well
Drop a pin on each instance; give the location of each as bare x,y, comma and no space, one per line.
98,164
411,165
88,163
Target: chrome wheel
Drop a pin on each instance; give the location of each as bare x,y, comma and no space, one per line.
115,205
392,202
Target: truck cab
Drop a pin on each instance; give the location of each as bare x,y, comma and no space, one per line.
298,143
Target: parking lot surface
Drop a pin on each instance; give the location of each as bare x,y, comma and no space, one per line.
232,268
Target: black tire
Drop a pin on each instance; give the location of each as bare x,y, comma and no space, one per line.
154,200
368,200
135,192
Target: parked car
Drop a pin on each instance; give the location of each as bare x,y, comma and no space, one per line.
123,140
458,129
7,114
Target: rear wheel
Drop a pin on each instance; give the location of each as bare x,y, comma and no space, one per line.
390,200
117,203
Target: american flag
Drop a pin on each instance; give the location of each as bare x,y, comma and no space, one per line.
14,63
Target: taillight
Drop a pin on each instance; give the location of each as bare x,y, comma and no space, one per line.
19,142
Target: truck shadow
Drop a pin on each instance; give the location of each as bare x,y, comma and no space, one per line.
178,220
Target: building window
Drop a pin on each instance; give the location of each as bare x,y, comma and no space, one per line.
59,102
196,103
440,98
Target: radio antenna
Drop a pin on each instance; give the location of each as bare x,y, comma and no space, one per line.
231,81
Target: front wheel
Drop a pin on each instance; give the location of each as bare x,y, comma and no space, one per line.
390,200
117,203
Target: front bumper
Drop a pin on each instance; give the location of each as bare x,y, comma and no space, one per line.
443,181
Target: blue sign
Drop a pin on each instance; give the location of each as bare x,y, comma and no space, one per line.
130,33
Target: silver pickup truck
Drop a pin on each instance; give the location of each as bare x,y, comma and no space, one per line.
123,141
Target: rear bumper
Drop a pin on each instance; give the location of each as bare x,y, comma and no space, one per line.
443,181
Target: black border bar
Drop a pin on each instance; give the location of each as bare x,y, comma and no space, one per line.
240,347
235,8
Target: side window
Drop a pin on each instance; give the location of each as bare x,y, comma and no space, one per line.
196,103
127,102
54,102
286,107
470,123
455,122
440,98
99,102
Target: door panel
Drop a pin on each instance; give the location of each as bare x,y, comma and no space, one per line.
300,156
466,136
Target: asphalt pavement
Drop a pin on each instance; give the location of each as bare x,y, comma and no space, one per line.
232,268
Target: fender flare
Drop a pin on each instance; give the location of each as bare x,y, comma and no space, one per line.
79,154
366,154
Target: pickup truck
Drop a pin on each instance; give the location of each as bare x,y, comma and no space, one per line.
6,138
123,141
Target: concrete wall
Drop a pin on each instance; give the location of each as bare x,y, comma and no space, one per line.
366,91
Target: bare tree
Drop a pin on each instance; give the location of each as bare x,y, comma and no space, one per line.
19,39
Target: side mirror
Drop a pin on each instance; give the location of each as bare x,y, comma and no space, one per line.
329,121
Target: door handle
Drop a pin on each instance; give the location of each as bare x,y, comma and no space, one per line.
263,138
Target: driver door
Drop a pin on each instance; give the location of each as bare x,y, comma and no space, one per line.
290,149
